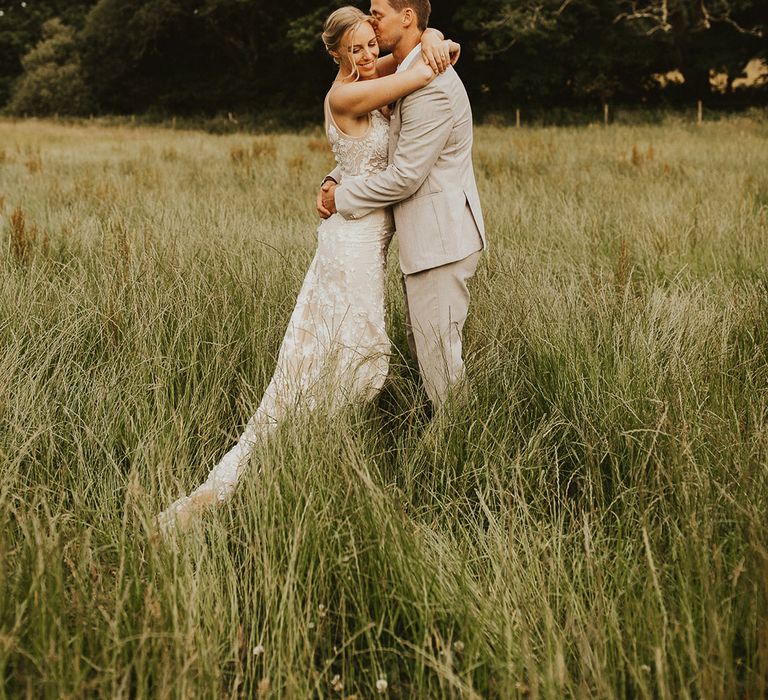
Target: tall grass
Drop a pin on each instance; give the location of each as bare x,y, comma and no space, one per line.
590,522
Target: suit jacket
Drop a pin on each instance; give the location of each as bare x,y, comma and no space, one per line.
429,179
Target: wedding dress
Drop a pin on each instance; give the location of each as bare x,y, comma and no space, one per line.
335,350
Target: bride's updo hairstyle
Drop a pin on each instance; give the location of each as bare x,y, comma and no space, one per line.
337,25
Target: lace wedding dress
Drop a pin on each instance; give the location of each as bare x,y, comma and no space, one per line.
335,349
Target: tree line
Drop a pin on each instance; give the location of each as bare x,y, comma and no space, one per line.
79,57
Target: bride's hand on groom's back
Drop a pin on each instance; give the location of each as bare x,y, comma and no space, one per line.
439,55
454,51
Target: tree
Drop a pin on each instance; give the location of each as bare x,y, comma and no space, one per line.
201,55
117,38
560,51
555,52
21,28
52,82
208,56
700,36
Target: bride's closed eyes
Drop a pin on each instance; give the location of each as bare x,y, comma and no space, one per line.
357,48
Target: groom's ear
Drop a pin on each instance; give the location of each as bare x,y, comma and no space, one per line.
408,17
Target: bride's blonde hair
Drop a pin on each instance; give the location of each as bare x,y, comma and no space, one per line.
337,25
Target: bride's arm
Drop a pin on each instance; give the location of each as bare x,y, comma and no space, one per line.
363,96
360,97
385,65
431,46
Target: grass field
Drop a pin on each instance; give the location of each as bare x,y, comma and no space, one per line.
591,524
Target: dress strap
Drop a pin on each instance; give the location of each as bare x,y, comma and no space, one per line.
329,120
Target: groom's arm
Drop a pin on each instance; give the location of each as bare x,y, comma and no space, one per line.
334,175
426,123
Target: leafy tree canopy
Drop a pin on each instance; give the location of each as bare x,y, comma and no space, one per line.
231,55
53,81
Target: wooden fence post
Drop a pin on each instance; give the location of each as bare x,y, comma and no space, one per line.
700,113
517,118
606,114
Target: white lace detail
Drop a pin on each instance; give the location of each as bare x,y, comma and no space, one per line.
335,348
364,155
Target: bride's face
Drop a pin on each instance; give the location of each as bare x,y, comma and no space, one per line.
362,50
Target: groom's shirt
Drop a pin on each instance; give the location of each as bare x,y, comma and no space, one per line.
406,64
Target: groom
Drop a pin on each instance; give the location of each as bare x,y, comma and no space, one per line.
432,186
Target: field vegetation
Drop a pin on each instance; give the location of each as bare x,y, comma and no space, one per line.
591,522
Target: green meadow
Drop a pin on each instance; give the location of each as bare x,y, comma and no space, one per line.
589,522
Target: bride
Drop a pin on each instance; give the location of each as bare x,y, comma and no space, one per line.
335,350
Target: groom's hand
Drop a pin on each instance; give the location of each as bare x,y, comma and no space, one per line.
319,203
327,193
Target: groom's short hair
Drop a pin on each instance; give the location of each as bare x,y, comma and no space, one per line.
421,8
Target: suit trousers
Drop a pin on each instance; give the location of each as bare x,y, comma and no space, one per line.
436,305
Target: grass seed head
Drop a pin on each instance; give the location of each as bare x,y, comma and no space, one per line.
22,237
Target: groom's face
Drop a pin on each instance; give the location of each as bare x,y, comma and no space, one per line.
388,24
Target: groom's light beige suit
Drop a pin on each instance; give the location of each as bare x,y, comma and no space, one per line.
431,184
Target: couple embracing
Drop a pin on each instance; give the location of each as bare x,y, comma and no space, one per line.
400,128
